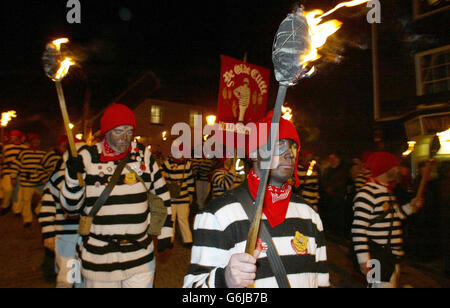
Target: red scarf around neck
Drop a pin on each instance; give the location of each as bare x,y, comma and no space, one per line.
276,200
109,154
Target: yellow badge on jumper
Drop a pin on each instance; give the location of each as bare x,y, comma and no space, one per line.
300,244
130,178
386,207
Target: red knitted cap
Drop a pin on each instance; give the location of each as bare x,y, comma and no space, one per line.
16,133
287,130
116,115
381,162
61,139
32,136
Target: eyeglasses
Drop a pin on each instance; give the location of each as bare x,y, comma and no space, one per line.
284,145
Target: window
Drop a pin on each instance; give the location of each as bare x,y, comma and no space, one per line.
156,114
423,8
433,71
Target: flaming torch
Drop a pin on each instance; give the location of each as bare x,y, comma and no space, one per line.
56,67
295,47
6,117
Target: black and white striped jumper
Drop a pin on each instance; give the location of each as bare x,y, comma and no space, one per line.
369,204
28,168
10,153
180,172
124,216
52,218
223,180
221,231
361,179
49,162
309,187
202,168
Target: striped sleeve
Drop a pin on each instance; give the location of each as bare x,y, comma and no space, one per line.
48,164
208,259
309,185
222,181
72,195
47,213
158,187
363,214
16,166
190,180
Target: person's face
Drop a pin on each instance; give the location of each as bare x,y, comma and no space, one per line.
62,147
15,139
120,138
35,143
392,174
334,160
283,163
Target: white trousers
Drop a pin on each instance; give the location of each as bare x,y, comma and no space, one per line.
23,205
180,215
8,190
138,281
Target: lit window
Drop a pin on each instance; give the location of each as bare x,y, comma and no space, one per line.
156,116
433,71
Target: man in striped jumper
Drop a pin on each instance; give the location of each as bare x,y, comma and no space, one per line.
202,168
118,252
378,216
59,230
10,153
27,167
52,157
220,232
179,172
309,186
225,178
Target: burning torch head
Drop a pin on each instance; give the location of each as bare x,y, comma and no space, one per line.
291,41
56,60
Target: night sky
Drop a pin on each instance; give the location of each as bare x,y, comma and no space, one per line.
181,41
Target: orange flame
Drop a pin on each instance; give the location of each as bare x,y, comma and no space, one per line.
7,116
64,68
319,32
59,42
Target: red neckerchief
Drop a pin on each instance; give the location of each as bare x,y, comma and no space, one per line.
178,161
390,187
276,200
108,154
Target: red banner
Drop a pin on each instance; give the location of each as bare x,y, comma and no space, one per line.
243,91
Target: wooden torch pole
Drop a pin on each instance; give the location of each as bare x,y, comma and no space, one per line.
65,115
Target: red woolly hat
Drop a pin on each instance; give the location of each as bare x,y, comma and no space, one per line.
287,130
32,136
61,139
116,115
381,162
16,133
